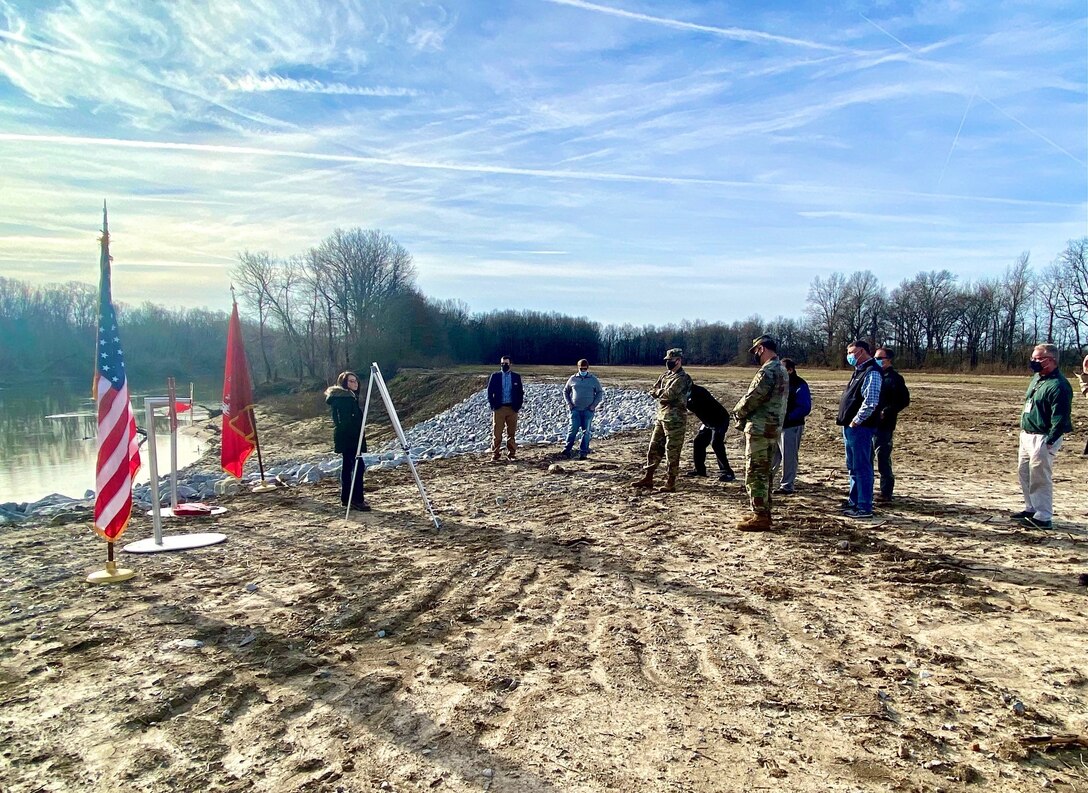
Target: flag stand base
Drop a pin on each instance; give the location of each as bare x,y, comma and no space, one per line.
263,487
177,542
111,575
168,512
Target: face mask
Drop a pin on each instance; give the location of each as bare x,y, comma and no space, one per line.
506,367
881,362
583,373
671,364
852,359
1036,366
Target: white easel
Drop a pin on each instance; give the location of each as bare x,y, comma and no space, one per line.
376,377
159,542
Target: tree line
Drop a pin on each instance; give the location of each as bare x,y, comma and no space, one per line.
49,333
353,299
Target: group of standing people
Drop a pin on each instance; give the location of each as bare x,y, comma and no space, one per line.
771,416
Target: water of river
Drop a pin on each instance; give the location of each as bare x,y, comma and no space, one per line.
47,440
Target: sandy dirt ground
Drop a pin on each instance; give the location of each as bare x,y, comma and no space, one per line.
560,633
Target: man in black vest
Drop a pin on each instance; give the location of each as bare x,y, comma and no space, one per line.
715,420
894,398
858,417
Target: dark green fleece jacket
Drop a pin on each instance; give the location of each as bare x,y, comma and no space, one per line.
1048,406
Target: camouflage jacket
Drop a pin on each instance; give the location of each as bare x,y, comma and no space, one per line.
763,409
671,391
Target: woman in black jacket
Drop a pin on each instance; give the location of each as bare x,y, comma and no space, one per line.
347,422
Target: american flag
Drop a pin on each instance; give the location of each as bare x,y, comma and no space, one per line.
118,448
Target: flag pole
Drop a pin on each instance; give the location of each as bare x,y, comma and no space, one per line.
112,574
238,401
114,523
263,486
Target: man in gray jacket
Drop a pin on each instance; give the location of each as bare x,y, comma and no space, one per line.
583,393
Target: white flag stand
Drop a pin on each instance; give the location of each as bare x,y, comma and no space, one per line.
376,377
160,543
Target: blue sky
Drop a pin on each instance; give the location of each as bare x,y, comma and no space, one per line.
630,161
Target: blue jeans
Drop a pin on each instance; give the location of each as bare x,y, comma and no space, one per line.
580,420
859,462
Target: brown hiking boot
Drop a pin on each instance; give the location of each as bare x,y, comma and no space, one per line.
670,483
755,522
647,480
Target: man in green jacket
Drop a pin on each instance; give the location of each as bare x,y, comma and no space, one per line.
671,391
1046,416
759,415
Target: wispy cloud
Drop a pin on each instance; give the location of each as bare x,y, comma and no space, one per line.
478,168
560,147
274,82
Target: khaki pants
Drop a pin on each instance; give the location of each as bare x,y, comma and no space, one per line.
1036,477
506,417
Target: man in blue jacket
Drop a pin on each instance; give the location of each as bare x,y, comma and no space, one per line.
798,406
583,393
505,394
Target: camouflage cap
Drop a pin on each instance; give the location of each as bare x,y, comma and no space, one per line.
674,352
763,340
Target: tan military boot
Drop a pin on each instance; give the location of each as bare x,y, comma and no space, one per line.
670,483
760,521
646,481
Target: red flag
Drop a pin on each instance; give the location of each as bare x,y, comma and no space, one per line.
118,448
239,423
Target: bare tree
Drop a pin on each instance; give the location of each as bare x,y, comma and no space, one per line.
976,305
863,305
1074,276
826,301
255,276
360,272
1016,289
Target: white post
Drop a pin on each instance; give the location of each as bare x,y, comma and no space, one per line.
192,403
172,413
153,470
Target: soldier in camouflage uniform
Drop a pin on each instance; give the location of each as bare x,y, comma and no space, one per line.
760,414
671,391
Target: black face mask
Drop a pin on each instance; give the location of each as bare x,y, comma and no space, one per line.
1036,366
670,365
506,367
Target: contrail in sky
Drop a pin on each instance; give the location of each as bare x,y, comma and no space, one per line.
737,34
598,176
1005,113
